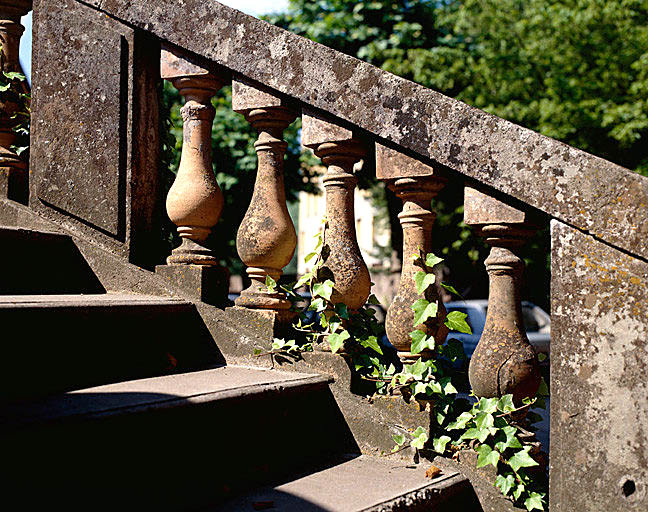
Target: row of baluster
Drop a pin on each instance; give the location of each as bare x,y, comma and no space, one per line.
504,361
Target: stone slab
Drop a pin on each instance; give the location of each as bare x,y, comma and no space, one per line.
318,129
361,484
599,356
173,65
208,284
582,190
247,96
393,164
217,384
480,208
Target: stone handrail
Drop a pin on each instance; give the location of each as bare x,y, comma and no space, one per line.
598,210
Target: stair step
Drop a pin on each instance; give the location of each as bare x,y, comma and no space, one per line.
43,262
65,342
175,442
362,484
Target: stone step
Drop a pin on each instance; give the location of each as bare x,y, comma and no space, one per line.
362,484
176,442
43,262
54,343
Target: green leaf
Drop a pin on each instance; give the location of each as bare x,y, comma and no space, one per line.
423,280
309,256
337,340
456,321
258,351
487,405
5,87
270,283
424,310
371,342
439,444
14,75
534,501
419,438
420,388
543,390
505,483
431,260
518,491
399,439
480,434
446,384
317,305
373,300
341,310
420,341
522,459
487,456
505,404
507,438
451,289
461,422
484,420
303,280
324,289
453,350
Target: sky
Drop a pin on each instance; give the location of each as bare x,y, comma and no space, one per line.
253,7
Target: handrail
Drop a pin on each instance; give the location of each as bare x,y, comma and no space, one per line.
589,193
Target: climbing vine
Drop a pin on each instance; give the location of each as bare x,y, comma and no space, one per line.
16,100
489,426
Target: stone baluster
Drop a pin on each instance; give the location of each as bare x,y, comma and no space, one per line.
14,178
195,200
339,151
266,239
504,361
415,183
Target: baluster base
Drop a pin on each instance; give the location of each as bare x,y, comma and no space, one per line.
207,283
191,252
257,295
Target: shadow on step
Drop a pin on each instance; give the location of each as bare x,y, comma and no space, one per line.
36,262
182,457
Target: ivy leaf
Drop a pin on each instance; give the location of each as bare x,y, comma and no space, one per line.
317,305
439,444
258,351
518,491
399,439
419,438
448,388
505,404
420,388
461,422
341,310
543,390
456,321
424,310
303,280
423,281
484,420
534,501
451,289
488,405
431,260
371,342
14,75
453,350
310,256
522,459
510,440
337,340
324,289
505,483
270,283
487,456
373,300
480,434
420,341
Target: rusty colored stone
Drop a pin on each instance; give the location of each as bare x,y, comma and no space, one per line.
504,361
195,200
343,262
14,180
266,239
416,219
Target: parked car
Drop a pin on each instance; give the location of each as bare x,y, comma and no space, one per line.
537,324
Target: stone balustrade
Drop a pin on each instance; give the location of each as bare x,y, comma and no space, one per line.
13,169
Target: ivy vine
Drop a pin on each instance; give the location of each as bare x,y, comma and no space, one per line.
492,427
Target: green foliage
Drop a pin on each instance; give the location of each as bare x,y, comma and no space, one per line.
16,103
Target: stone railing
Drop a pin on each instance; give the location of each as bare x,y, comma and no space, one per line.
95,155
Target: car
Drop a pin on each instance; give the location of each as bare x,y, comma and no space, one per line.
537,324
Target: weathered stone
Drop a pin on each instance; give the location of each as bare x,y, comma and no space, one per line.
247,96
342,260
393,164
94,138
417,219
504,361
599,357
206,283
195,200
580,189
266,239
174,65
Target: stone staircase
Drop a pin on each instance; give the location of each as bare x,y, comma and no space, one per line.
123,401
